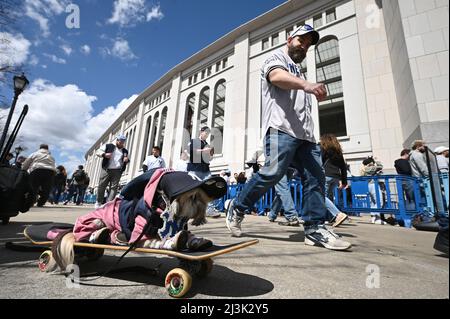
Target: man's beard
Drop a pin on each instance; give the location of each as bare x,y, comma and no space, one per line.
297,55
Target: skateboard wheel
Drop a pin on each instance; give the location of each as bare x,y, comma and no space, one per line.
205,268
46,262
178,282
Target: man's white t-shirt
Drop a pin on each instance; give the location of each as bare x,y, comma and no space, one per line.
154,162
288,111
116,161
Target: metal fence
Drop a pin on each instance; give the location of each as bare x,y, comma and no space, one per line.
399,195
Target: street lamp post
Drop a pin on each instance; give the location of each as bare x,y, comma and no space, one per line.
20,83
17,150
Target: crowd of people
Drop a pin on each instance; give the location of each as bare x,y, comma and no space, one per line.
51,183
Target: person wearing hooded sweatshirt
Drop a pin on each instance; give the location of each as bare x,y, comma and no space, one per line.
42,168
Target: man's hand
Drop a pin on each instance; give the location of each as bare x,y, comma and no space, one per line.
125,160
107,155
318,89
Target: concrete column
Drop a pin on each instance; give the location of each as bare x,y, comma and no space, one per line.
384,119
235,145
175,121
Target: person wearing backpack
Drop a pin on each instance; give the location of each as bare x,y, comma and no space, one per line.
80,181
59,184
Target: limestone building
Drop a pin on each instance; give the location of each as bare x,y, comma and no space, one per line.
385,64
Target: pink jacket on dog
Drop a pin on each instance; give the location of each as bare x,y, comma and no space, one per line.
109,214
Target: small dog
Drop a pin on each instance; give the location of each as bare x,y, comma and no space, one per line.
102,225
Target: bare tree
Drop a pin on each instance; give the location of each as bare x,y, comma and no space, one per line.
9,15
8,23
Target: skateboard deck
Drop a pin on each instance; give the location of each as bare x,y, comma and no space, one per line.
37,235
177,282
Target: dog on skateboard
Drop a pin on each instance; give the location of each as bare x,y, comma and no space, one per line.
152,211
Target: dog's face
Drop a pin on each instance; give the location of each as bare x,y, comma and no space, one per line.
192,205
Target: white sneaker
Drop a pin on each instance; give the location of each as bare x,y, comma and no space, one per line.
97,205
377,220
340,218
234,219
321,236
212,213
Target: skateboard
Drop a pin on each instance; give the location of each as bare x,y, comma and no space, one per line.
177,282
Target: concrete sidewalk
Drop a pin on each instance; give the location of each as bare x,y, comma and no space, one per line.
403,263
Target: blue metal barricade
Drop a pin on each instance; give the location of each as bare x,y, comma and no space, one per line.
402,196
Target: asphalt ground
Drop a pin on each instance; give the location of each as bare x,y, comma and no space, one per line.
385,262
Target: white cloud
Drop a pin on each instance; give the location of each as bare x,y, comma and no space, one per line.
85,49
156,13
43,10
55,59
63,117
67,49
121,50
34,60
14,49
128,13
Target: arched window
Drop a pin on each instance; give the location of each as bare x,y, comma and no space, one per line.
332,110
162,131
147,138
218,116
203,108
129,145
154,131
190,108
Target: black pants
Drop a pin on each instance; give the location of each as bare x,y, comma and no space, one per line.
42,183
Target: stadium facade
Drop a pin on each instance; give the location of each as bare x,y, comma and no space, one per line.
385,64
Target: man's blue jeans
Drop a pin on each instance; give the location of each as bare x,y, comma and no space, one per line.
282,151
283,200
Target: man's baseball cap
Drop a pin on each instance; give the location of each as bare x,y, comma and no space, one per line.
176,183
440,149
121,137
306,29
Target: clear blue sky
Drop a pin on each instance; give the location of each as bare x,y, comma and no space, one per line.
119,50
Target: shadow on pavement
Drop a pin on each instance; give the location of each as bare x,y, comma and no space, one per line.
13,232
221,282
297,237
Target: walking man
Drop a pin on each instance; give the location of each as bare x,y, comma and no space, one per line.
42,169
115,160
289,140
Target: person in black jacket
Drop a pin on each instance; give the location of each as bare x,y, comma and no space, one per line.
59,184
115,159
335,173
403,167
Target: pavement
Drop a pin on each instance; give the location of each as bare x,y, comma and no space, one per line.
385,262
